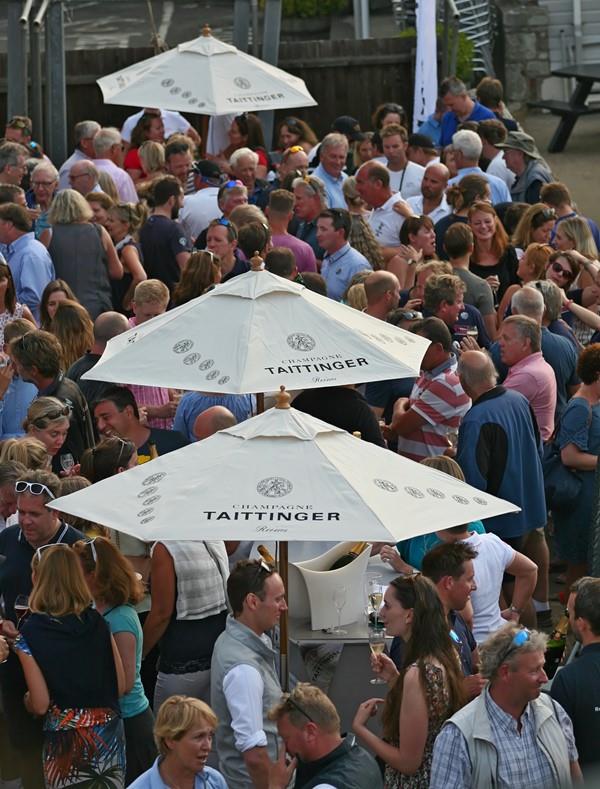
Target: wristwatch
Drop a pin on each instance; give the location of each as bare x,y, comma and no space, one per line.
514,610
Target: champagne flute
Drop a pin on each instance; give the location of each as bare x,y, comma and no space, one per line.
370,578
340,598
375,597
21,606
377,647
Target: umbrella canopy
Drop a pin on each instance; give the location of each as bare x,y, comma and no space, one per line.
206,76
282,475
255,332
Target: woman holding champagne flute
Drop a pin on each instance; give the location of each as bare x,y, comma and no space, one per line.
423,694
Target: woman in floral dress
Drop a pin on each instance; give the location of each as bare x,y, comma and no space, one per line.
426,691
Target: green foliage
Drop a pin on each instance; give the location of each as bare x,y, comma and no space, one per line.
305,9
464,55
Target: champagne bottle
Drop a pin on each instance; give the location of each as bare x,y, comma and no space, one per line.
153,450
264,552
555,648
355,551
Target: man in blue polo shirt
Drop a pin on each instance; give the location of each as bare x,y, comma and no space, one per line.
341,261
333,151
460,108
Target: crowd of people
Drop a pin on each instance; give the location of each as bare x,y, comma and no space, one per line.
122,661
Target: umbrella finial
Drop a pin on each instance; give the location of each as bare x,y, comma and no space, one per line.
206,30
256,262
357,434
283,399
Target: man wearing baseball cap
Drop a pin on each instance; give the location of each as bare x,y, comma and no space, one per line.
421,150
532,172
201,207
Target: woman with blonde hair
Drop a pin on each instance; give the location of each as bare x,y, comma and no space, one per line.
74,675
460,197
535,226
426,691
73,328
108,186
83,253
361,236
183,732
29,451
201,272
531,267
123,223
116,589
356,297
152,158
100,203
48,420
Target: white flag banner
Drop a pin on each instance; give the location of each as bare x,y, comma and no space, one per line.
426,85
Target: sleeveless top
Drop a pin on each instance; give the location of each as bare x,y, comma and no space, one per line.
438,706
120,287
79,258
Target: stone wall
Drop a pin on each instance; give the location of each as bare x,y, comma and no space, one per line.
522,53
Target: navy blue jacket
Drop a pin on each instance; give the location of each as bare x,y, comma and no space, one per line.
499,451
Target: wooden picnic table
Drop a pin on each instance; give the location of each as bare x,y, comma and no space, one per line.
584,74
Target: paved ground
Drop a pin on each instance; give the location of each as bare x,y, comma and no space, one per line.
579,164
89,23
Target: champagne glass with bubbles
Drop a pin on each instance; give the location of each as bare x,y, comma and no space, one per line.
377,647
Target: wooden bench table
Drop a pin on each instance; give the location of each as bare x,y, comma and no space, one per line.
585,75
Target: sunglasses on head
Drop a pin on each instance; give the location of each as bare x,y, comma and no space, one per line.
42,548
521,637
261,566
294,705
35,488
58,413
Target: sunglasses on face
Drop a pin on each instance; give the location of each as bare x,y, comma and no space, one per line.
564,272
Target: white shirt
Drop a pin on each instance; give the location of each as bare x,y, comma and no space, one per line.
443,209
243,688
386,223
173,122
498,168
63,173
493,557
199,209
407,181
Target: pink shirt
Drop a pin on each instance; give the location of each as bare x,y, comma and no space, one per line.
534,379
305,257
151,395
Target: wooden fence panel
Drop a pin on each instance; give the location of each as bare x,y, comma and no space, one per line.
346,77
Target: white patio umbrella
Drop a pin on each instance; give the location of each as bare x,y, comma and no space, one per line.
206,76
281,475
255,332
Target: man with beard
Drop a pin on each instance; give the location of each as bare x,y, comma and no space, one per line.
165,246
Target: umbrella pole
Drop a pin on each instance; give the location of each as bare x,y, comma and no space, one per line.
260,402
283,622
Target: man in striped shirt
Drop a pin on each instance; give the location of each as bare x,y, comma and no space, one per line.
437,402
